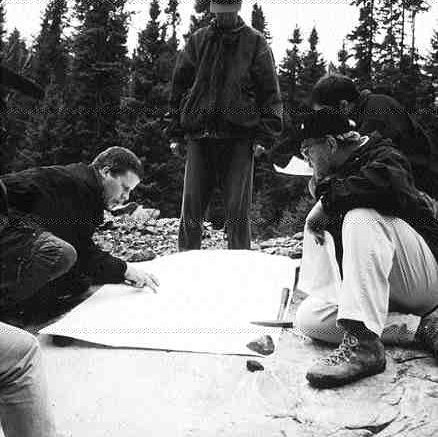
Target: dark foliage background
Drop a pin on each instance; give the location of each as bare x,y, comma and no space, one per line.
98,95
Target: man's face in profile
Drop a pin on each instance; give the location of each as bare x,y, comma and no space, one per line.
117,187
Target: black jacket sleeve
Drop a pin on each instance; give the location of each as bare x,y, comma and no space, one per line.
3,206
101,266
384,182
268,96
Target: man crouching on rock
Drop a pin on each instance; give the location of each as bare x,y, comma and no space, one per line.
51,218
386,241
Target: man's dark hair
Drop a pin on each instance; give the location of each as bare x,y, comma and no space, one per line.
333,88
119,160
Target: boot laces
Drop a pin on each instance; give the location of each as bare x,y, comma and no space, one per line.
343,353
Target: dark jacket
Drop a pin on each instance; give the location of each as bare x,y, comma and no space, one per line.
225,85
67,201
378,176
378,112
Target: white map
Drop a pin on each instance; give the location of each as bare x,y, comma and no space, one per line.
205,303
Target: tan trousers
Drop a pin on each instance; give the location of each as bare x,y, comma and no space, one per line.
387,266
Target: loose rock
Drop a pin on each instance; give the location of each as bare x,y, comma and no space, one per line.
263,345
254,366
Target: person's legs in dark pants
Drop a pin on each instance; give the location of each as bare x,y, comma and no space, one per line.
199,181
24,406
48,258
237,179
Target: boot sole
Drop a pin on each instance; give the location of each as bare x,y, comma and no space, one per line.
323,381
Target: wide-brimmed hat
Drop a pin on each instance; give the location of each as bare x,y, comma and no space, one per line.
218,6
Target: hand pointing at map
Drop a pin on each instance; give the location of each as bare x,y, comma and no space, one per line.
137,277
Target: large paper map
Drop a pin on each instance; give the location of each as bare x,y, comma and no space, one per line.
205,303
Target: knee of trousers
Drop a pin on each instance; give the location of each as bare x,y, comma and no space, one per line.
317,319
306,319
67,259
360,216
20,354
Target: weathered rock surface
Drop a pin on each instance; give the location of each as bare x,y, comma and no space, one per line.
217,396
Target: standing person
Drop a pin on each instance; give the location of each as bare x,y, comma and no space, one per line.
226,104
378,112
24,404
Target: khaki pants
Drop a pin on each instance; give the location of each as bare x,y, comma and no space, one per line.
25,409
387,266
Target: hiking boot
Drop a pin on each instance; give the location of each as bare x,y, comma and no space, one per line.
427,332
355,358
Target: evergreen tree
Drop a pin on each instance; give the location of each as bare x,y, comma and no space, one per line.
431,66
2,28
343,57
16,53
49,128
173,21
313,65
142,127
14,153
390,52
202,17
415,7
258,21
290,71
145,58
50,58
364,41
99,73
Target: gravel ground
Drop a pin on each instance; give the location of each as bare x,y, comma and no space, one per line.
141,235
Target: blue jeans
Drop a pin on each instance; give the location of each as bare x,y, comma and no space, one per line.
24,406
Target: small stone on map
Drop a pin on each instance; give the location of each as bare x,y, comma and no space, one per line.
263,345
254,366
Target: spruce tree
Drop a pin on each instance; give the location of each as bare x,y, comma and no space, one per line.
343,57
2,27
290,70
143,129
14,154
364,42
47,126
258,21
313,65
145,58
99,74
16,53
201,18
431,65
173,21
50,58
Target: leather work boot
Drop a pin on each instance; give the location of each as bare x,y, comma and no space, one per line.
427,332
355,358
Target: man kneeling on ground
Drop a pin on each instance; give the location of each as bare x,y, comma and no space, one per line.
386,247
53,213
